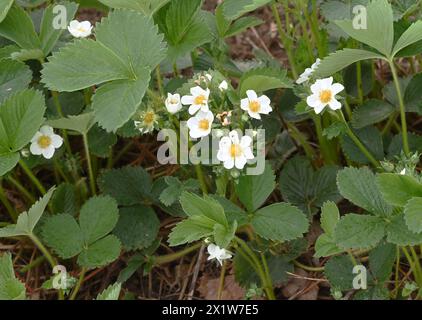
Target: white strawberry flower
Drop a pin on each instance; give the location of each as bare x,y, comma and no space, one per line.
304,77
220,254
198,100
234,151
200,125
173,103
80,29
323,94
45,142
255,106
223,86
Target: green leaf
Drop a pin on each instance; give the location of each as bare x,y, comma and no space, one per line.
101,253
398,189
371,112
18,27
185,26
413,214
64,199
80,65
329,217
119,32
253,191
280,222
325,246
128,185
21,115
371,138
301,186
359,187
137,227
335,130
233,9
412,35
398,233
379,33
341,59
8,162
264,79
381,261
207,207
148,7
14,76
413,94
10,287
98,217
190,230
356,231
223,235
116,102
81,123
339,272
50,35
101,142
111,293
5,6
241,25
63,234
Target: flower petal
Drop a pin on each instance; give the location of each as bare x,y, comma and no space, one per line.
251,94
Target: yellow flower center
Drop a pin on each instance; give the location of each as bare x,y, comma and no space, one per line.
254,106
44,142
204,124
149,118
325,96
174,101
200,100
235,150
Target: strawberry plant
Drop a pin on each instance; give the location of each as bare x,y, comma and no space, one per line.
185,144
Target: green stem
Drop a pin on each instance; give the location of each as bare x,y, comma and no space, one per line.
88,160
21,189
32,177
358,143
7,204
284,41
402,108
258,267
221,281
308,268
201,179
59,108
51,260
160,260
78,284
412,265
323,142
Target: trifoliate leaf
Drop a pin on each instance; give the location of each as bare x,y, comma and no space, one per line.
100,253
98,217
128,185
371,138
301,186
14,76
359,187
190,230
398,189
253,191
137,227
280,222
63,234
355,231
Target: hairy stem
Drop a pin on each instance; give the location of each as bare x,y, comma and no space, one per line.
89,162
